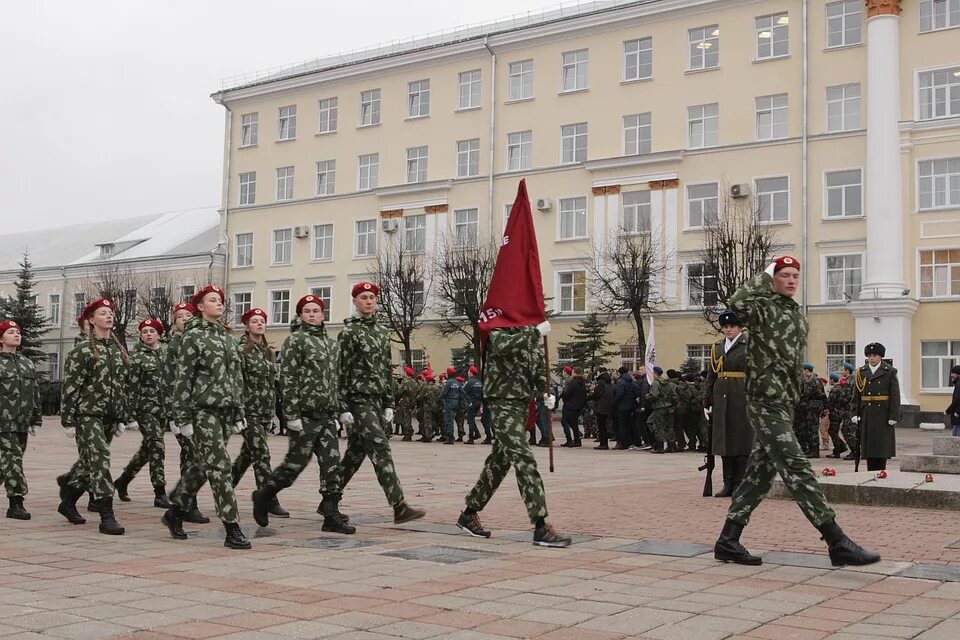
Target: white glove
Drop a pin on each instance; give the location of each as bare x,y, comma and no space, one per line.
346,418
71,432
388,415
133,425
891,422
549,401
295,425
336,423
855,419
187,430
240,425
119,429
32,430
544,327
174,429
771,267
708,411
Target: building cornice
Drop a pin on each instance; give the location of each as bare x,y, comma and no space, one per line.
416,187
643,160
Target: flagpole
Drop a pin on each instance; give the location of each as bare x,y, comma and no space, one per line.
546,390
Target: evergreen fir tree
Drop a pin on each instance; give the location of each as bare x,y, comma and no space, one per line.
691,365
28,314
589,347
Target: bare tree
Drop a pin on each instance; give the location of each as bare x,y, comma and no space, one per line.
159,295
403,279
123,286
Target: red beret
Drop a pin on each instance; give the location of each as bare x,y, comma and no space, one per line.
407,371
184,306
459,379
96,304
429,378
783,262
151,322
473,370
210,288
306,299
568,369
451,371
360,287
256,311
7,324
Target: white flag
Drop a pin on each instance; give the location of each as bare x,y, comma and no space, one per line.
650,355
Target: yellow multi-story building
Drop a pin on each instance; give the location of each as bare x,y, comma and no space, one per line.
841,119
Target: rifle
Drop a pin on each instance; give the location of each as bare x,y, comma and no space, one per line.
709,460
860,433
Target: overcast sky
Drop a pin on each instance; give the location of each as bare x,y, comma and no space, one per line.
106,110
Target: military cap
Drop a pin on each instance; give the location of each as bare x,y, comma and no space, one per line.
808,366
151,322
875,349
305,300
451,371
849,367
568,370
473,370
256,311
96,304
7,324
429,377
782,262
184,306
835,377
200,295
460,379
729,319
407,371
673,373
362,287
657,370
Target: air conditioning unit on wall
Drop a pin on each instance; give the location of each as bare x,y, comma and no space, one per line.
301,232
740,191
390,225
544,204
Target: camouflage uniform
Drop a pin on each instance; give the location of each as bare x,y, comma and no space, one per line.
260,403
663,398
428,399
850,431
513,376
19,410
778,336
806,424
187,449
145,395
406,404
461,415
838,402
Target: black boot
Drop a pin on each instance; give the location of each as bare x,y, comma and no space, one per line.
729,472
402,512
194,516
276,510
174,521
729,549
333,520
262,500
68,504
122,483
235,538
813,451
843,550
108,522
16,510
160,499
92,505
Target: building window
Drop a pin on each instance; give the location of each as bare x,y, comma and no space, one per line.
366,232
418,298
631,357
635,217
566,356
936,359
574,69
249,129
287,126
844,20
519,150
53,304
418,99
282,246
702,286
466,227
700,353
702,204
636,134
416,164
703,125
573,143
573,290
369,107
327,121
521,80
368,175
280,306
326,177
53,366
468,158
79,304
939,183
843,107
939,93
772,117
638,59
940,273
187,291
573,218
241,302
838,354
325,293
773,36
285,183
704,47
415,233
844,277
844,193
323,242
469,82
939,14
773,199
418,360
248,187
243,254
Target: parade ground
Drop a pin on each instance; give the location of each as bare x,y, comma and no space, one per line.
641,565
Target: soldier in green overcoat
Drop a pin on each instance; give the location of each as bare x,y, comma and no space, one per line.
19,415
876,407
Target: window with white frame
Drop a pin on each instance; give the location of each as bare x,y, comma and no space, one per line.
53,307
323,241
366,235
520,80
282,246
844,23
280,306
415,232
79,304
368,173
240,303
636,134
418,297
469,83
466,227
937,357
843,107
573,218
703,125
572,293
468,158
249,129
507,208
187,291
704,46
287,122
418,99
771,117
939,14
574,69
773,199
243,250
369,107
940,273
635,216
638,59
519,150
418,360
939,93
838,354
326,177
248,187
700,353
939,183
631,357
703,202
702,286
416,164
285,183
773,36
566,356
844,277
53,365
327,121
573,143
843,193
325,293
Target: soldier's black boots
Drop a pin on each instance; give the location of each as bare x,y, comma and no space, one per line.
262,499
469,522
16,510
194,516
160,499
545,535
174,521
333,520
402,512
235,538
108,522
487,441
729,473
121,484
406,439
68,504
843,550
729,549
276,510
92,505
851,456
335,498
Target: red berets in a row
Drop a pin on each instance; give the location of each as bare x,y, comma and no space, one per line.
362,287
151,322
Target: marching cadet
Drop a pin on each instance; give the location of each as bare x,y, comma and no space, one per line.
260,400
663,399
810,407
838,411
428,399
94,407
365,383
849,431
208,406
310,401
19,415
876,407
144,398
406,404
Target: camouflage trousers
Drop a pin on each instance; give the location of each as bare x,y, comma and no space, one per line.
12,446
366,439
461,418
851,434
91,471
807,430
211,462
318,436
776,451
404,419
151,451
254,451
510,448
427,429
834,432
661,426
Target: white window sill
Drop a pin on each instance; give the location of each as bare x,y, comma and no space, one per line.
571,164
248,146
280,264
363,257
852,45
938,29
703,70
707,146
467,177
938,392
519,100
770,58
939,298
773,139
284,200
245,266
940,209
365,189
569,240
775,223
636,80
324,133
368,126
564,92
320,260
850,130
693,229
247,204
325,195
465,109
279,140
518,170
423,117
842,218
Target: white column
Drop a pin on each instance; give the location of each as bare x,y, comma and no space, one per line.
670,233
599,216
656,227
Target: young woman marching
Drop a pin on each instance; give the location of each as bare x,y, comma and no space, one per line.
144,383
94,407
260,402
19,415
207,407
